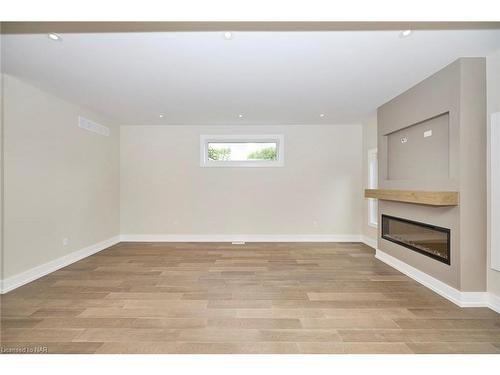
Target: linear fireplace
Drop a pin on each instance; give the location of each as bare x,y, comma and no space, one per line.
426,239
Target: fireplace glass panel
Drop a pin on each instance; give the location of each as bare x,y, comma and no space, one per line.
426,239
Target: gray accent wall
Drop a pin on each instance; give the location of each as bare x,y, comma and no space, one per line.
405,158
458,143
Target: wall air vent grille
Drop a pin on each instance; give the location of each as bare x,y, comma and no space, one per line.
93,126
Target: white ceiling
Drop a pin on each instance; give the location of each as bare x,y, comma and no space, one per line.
269,77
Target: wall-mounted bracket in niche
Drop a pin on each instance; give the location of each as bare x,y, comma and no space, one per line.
420,150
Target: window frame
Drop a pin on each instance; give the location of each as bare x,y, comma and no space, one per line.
279,139
372,184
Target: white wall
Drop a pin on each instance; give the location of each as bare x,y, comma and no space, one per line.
493,95
369,142
164,190
60,181
1,156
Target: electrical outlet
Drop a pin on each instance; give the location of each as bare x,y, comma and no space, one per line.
65,241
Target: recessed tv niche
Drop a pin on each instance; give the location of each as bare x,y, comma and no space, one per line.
420,151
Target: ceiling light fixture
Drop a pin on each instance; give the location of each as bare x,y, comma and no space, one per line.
54,36
240,115
405,33
162,115
228,35
322,115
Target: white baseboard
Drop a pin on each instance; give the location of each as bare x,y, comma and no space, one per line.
462,299
494,302
241,237
369,242
25,277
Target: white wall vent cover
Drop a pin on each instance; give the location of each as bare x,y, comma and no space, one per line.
93,126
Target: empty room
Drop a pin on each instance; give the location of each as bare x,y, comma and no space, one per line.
250,188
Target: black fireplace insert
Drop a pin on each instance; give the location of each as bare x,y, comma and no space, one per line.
425,239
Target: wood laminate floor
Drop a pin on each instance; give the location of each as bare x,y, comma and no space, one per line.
253,298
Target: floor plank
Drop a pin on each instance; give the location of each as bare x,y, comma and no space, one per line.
222,298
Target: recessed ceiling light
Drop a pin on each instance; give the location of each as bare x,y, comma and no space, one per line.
322,115
228,35
162,115
54,36
240,115
405,33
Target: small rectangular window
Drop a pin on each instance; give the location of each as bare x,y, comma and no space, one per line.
241,151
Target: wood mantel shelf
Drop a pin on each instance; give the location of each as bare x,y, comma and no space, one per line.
430,198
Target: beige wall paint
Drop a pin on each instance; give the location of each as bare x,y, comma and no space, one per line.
165,191
473,195
369,142
493,105
459,89
60,181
